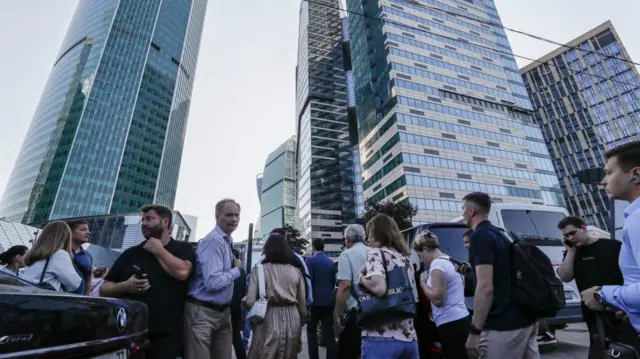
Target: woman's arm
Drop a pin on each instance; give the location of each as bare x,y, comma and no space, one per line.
62,268
252,290
301,295
437,291
374,278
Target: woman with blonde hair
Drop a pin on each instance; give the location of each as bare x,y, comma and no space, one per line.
444,287
49,260
396,338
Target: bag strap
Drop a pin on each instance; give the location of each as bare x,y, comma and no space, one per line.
600,331
262,292
46,265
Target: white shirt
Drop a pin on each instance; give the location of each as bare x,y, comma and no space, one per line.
60,272
453,308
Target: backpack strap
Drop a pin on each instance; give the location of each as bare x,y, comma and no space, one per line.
262,291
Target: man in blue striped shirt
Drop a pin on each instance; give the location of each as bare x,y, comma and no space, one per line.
622,181
207,322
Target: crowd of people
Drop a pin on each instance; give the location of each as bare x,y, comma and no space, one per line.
202,303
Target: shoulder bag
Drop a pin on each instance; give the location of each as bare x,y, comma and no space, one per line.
259,309
609,348
399,303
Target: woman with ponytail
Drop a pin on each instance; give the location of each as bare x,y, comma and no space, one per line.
12,260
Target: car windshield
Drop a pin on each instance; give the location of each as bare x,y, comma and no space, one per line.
533,224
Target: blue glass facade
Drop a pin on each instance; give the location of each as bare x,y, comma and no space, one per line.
278,189
326,183
585,104
107,134
439,114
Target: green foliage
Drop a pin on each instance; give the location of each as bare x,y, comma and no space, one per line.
297,243
402,212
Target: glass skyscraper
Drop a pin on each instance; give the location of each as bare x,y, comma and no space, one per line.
326,171
442,109
586,103
108,132
278,189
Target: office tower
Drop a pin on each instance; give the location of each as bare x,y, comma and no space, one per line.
278,189
442,110
108,132
324,149
586,98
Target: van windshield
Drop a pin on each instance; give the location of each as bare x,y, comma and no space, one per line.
534,224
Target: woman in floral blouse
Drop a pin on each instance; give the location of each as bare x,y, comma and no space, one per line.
393,339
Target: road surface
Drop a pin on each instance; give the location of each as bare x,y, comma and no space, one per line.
573,343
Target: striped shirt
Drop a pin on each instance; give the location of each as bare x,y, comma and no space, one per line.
214,271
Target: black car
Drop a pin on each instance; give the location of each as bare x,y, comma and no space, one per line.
39,323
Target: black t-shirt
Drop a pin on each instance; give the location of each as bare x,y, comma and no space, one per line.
488,247
596,265
166,297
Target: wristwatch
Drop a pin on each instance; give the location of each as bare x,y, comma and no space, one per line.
597,295
474,330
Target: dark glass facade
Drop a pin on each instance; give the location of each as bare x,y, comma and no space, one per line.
585,104
108,132
325,164
439,114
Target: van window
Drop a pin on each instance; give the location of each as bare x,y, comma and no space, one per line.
451,242
534,224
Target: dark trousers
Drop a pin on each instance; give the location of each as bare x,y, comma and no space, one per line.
323,315
167,346
350,341
237,327
453,338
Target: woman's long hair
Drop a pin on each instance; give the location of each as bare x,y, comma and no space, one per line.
384,231
7,257
54,237
277,250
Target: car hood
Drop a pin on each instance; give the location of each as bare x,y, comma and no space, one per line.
34,319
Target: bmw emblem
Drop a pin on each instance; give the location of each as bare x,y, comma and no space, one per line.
122,320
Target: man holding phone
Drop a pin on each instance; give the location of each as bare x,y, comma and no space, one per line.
591,261
155,273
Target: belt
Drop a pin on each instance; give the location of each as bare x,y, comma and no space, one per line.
214,306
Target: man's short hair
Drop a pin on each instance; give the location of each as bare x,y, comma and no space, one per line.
75,224
220,205
571,221
467,232
480,200
627,155
355,233
318,244
162,211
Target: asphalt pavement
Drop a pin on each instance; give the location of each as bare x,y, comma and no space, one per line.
573,343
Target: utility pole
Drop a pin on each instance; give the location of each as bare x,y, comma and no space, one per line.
249,247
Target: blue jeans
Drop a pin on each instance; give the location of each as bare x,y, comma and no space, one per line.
388,348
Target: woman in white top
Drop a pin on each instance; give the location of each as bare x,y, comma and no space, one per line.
444,287
49,260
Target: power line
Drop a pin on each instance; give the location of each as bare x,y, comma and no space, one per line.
487,22
548,62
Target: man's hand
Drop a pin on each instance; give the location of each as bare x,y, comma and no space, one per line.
571,248
473,345
464,268
135,285
153,246
622,316
237,263
590,301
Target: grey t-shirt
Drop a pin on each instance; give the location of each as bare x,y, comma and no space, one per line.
349,264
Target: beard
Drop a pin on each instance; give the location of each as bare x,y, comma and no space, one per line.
152,232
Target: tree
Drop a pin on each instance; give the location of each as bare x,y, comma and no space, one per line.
297,243
401,212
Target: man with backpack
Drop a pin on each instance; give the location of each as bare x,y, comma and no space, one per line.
499,325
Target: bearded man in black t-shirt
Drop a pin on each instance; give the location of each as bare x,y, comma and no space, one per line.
591,261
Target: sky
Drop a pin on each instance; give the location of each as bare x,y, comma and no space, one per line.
243,103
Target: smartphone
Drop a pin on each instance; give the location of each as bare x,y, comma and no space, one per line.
137,271
568,243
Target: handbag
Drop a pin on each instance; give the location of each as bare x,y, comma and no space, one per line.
398,303
44,285
259,309
610,348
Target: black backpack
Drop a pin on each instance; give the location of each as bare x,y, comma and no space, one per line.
535,288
